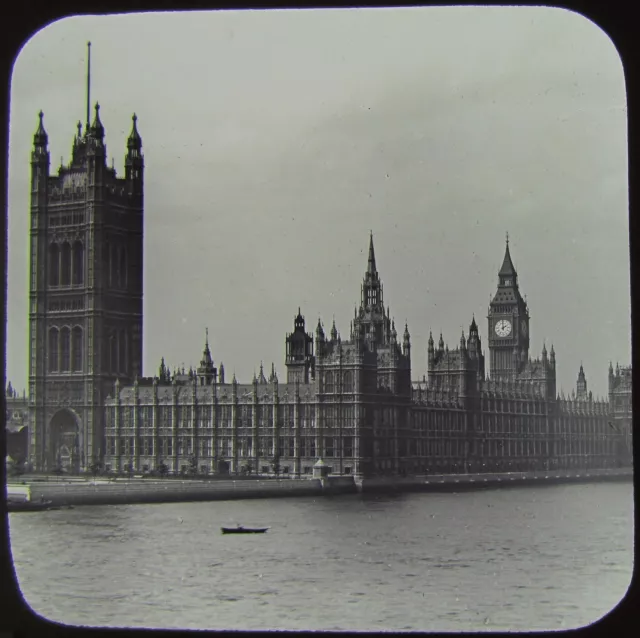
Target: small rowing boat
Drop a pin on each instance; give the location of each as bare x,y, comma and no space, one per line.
244,530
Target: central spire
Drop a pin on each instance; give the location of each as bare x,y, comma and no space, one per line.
371,265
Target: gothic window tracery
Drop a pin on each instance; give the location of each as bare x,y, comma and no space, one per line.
328,382
77,344
53,349
65,264
54,264
78,263
65,349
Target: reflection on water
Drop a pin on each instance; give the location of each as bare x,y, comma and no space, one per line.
522,558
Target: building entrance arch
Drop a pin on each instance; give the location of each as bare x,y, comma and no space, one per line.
64,443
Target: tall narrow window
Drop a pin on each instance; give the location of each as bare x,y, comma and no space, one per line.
112,265
122,355
123,268
328,382
348,382
53,349
78,263
106,264
65,349
65,271
54,265
117,277
113,353
77,349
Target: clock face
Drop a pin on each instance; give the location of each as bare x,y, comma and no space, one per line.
503,328
524,328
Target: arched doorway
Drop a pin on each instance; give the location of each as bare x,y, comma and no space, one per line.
64,449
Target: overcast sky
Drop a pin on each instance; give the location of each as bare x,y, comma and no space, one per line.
275,141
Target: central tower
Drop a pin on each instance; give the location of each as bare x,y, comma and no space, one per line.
85,315
508,324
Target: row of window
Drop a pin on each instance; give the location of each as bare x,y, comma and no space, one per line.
66,264
148,446
66,349
332,382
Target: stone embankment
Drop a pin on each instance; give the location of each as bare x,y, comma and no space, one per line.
119,492
460,482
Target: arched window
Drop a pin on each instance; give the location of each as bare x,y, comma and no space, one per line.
123,268
53,349
113,352
117,276
77,346
65,270
78,263
105,262
122,347
112,265
328,382
54,265
65,349
347,382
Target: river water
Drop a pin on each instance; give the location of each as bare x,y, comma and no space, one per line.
522,558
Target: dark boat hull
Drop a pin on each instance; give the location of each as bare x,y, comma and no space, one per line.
29,506
244,530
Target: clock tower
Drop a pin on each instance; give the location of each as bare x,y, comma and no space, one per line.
508,324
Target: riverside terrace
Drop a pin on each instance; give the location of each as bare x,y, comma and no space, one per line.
110,492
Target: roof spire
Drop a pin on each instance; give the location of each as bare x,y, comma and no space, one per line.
371,265
507,269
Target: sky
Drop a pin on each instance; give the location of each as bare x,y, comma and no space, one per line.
275,141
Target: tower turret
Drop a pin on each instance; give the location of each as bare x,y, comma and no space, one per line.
300,361
581,385
134,161
406,341
206,372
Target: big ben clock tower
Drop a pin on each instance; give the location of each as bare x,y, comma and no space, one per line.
508,324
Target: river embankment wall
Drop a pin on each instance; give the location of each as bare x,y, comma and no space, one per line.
460,482
120,492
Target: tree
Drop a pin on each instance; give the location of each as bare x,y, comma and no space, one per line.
275,463
249,467
95,467
163,469
193,465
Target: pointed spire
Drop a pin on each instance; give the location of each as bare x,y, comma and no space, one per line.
97,130
474,326
507,268
262,379
371,263
334,332
134,143
441,342
430,339
40,139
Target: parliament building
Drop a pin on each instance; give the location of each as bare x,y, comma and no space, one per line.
350,402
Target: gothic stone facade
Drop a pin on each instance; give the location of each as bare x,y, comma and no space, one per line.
85,315
352,404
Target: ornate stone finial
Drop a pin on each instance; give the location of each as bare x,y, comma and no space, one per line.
507,238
